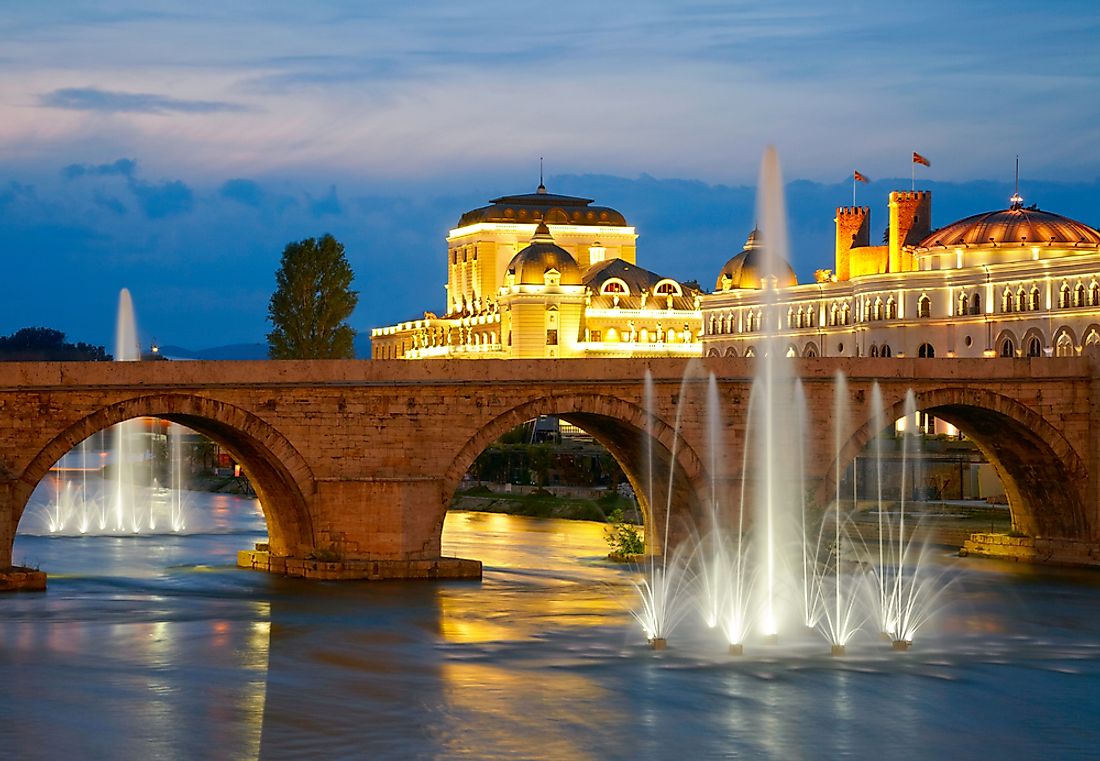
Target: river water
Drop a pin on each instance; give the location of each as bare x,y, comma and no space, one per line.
159,648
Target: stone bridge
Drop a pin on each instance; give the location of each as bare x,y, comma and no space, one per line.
355,462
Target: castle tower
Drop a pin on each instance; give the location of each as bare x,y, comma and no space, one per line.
910,223
853,225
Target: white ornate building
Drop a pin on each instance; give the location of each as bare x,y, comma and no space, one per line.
1018,282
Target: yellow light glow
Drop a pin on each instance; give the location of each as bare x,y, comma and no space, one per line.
529,229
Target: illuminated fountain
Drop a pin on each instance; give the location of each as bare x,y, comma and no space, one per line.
126,502
775,564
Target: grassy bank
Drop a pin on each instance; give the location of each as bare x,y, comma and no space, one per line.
540,504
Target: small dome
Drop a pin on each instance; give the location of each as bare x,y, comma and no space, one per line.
531,264
747,268
1019,225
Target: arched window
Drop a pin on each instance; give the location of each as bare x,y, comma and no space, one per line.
1079,295
613,286
1034,301
1064,346
1021,300
792,319
1006,301
846,314
1063,297
1034,347
891,309
833,312
877,313
750,322
750,352
1008,348
874,350
976,303
886,352
811,317
1094,294
924,306
811,351
668,288
964,303
713,325
925,351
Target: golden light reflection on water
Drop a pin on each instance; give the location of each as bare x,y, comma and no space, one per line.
576,587
513,711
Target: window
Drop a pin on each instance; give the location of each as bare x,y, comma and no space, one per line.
1063,297
1064,346
1079,295
924,306
1094,294
976,304
811,351
667,288
1034,347
811,317
891,309
846,315
963,304
596,336
833,312
876,313
926,351
613,286
1006,301
1021,300
1033,302
1008,348
874,350
552,338
886,351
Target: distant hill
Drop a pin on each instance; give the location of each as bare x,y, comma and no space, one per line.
232,351
249,351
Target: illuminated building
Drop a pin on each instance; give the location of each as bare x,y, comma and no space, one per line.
547,275
1018,282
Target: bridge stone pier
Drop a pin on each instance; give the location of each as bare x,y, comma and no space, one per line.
356,462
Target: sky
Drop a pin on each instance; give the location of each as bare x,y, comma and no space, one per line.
175,148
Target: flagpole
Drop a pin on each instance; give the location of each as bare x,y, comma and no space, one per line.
853,189
913,176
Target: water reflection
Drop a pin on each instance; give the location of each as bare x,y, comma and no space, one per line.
159,648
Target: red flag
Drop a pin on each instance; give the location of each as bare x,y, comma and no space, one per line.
859,177
919,159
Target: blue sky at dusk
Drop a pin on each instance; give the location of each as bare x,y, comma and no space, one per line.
175,148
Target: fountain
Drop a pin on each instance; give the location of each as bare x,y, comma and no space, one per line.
775,559
126,501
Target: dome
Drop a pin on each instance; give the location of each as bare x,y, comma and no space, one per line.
532,263
1018,225
746,269
541,206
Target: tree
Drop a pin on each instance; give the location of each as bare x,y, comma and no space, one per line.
312,302
47,344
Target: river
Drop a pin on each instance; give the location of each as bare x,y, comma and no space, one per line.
159,648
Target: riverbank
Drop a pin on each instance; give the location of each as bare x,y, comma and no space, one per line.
571,504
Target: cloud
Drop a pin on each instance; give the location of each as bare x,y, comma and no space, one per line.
120,168
113,101
242,191
110,203
329,204
163,200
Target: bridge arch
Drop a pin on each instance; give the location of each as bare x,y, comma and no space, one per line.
281,477
1041,472
621,427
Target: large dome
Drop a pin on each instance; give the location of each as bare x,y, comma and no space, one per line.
746,269
541,206
1018,225
531,264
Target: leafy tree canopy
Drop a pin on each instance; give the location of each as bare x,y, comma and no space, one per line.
47,344
312,302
